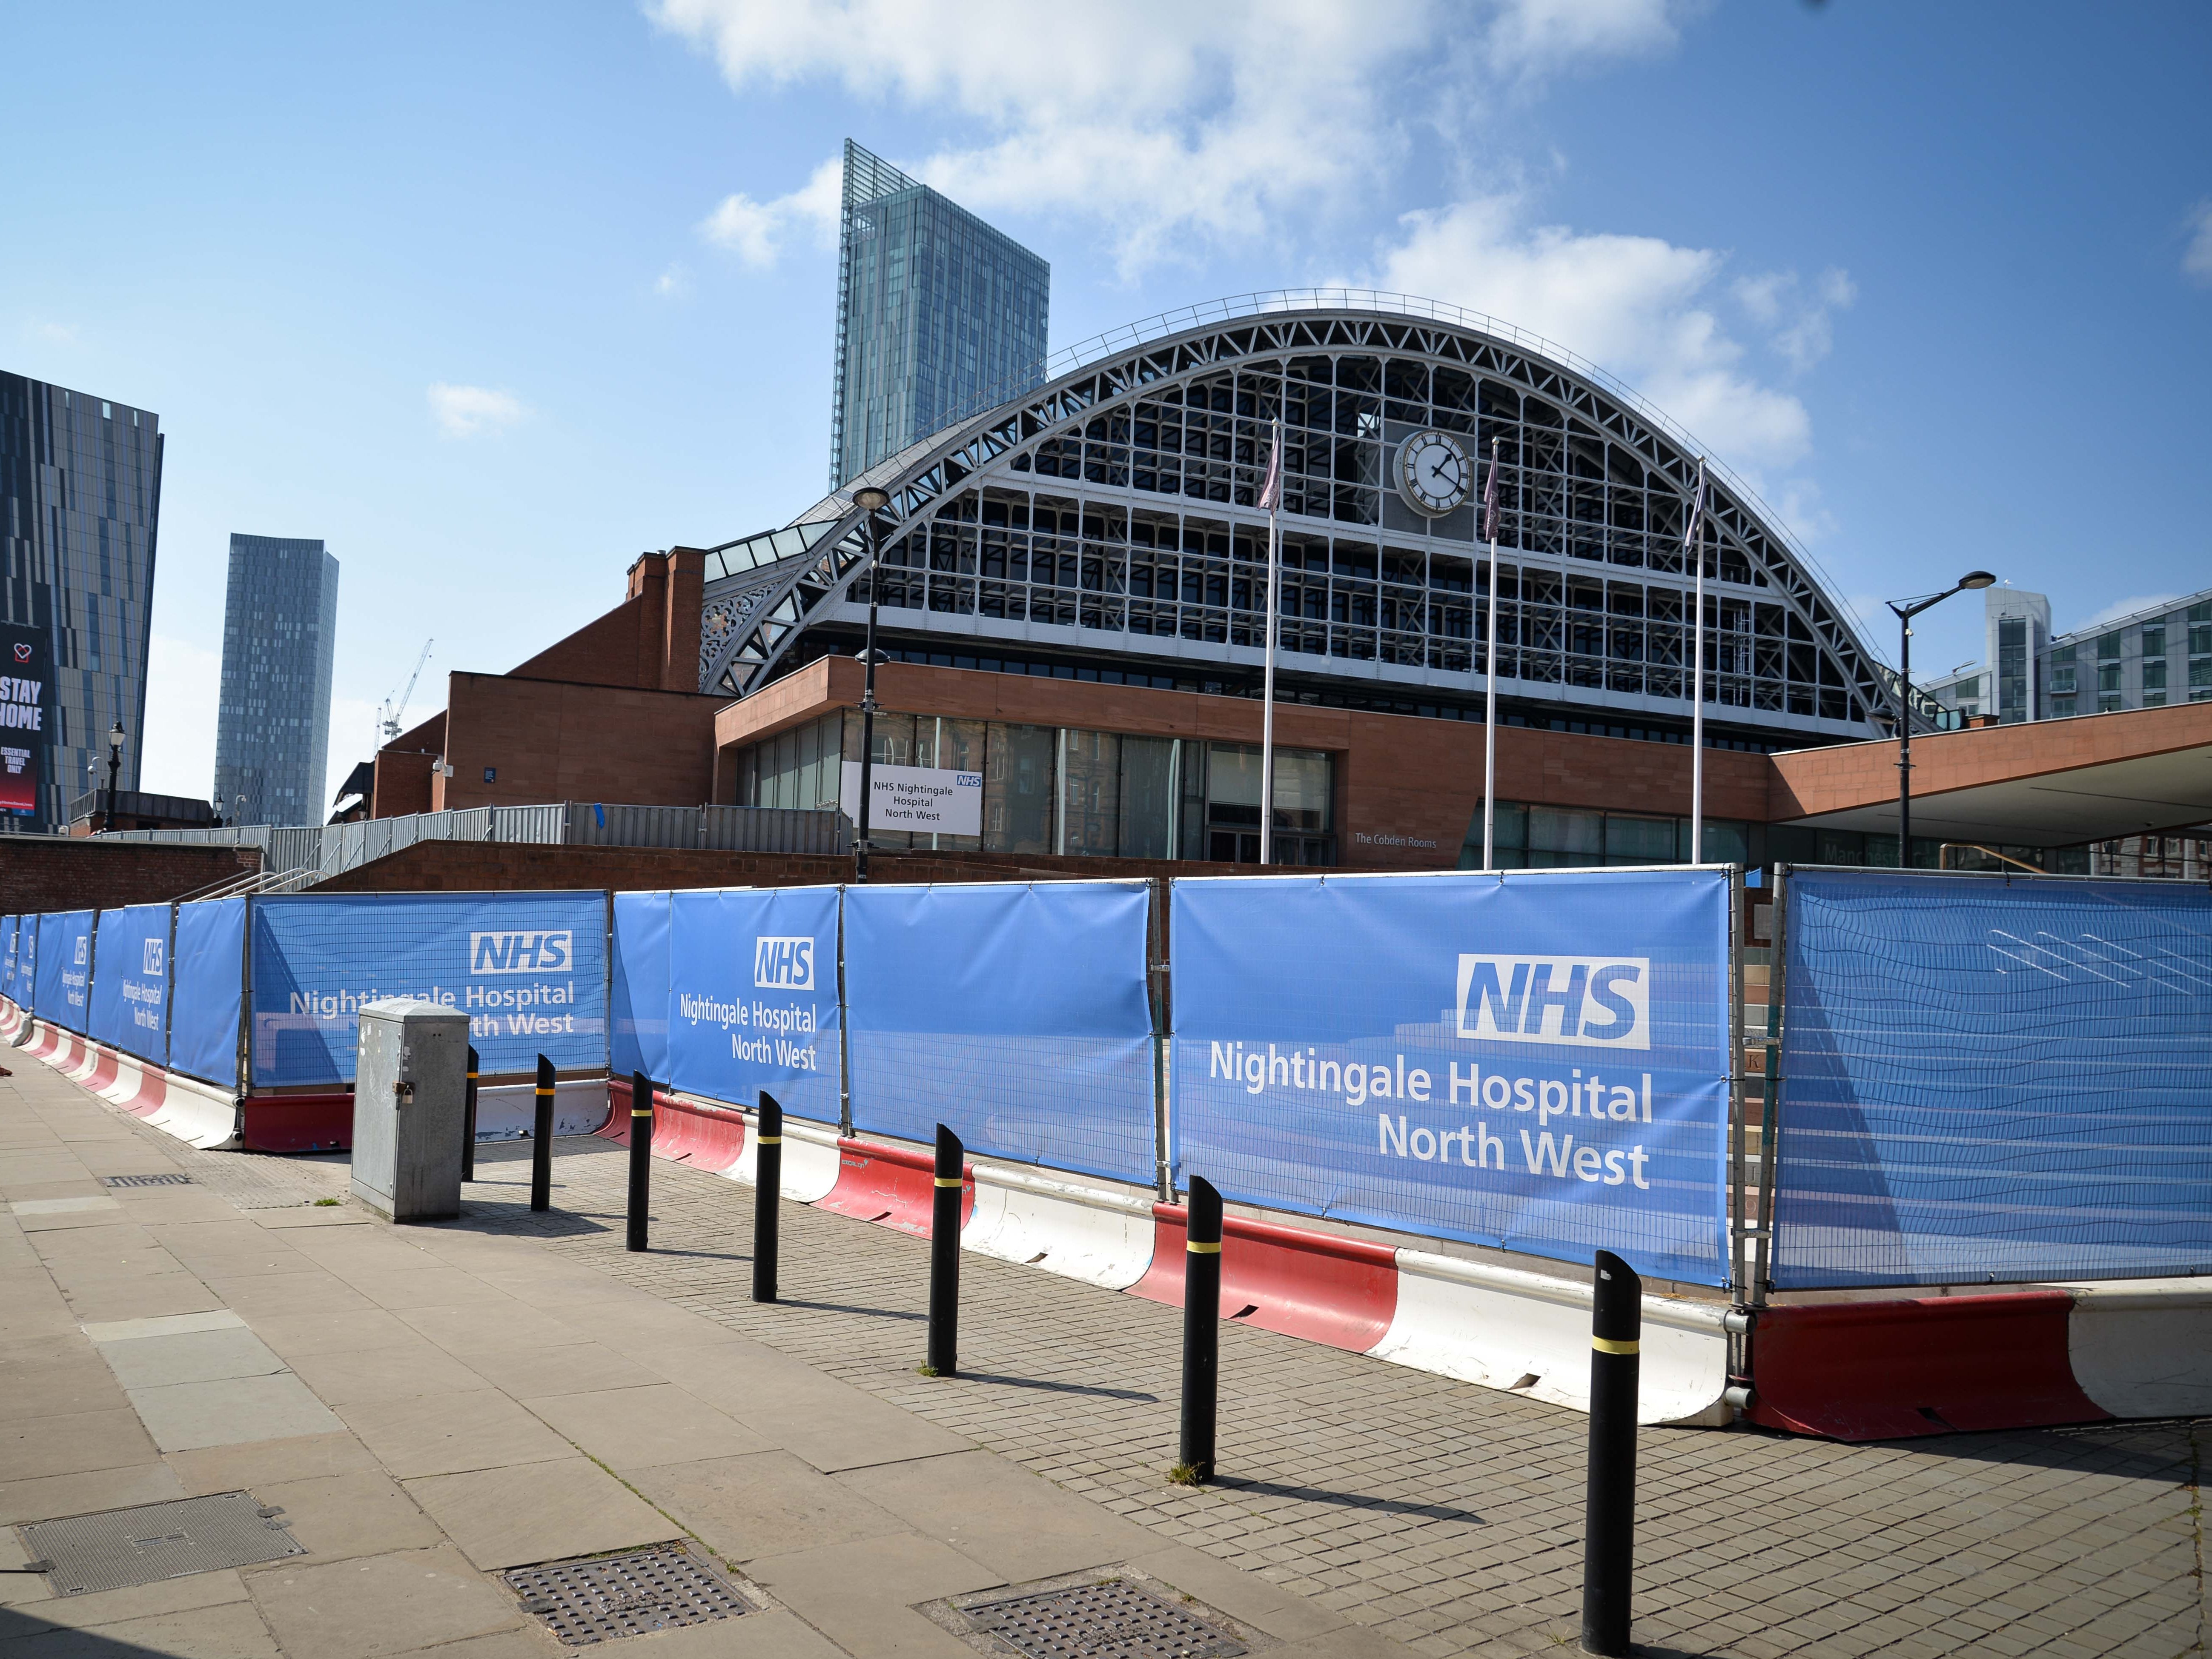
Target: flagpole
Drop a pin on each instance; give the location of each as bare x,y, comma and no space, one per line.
1693,548
1490,697
1267,676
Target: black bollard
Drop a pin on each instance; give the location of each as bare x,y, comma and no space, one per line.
767,1192
640,1158
541,1140
469,1121
1201,1329
1609,1522
945,1258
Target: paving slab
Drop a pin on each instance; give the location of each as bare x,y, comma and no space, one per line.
150,1362
340,1516
186,1416
257,1463
863,1595
630,1428
232,1630
76,1443
386,1604
448,1434
505,1517
405,1370
768,1504
56,1496
574,1368
998,1514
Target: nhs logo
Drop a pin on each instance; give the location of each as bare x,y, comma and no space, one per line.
519,953
1595,1002
157,951
83,944
783,964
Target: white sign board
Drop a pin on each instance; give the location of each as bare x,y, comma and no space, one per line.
919,798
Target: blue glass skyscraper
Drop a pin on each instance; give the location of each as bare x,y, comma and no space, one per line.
937,314
280,627
79,504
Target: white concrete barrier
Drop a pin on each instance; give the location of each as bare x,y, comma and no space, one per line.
810,1153
2143,1347
199,1114
507,1111
1529,1333
1100,1236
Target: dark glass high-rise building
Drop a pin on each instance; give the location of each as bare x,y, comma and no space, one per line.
80,507
280,624
936,311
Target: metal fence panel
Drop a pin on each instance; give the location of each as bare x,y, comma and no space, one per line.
538,825
1993,1079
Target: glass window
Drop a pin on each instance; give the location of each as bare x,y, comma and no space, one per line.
1091,793
2154,641
1639,840
1017,778
2154,673
2108,647
1560,837
1150,792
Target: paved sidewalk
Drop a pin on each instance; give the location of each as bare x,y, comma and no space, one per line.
507,1384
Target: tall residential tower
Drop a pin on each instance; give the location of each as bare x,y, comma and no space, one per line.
273,733
79,504
935,312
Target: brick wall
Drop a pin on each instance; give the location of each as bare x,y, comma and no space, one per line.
37,873
548,740
482,866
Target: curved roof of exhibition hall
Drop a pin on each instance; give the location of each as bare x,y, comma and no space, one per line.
1165,424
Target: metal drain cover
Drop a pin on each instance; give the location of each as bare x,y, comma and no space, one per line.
146,1181
1112,1620
145,1545
596,1601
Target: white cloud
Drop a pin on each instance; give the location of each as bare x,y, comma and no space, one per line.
757,231
672,283
2128,607
1634,305
469,411
1798,321
183,682
2197,259
1169,122
50,333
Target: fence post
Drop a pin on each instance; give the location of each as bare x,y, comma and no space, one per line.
641,1158
1609,1515
541,1140
469,1121
1201,1330
945,1258
767,1194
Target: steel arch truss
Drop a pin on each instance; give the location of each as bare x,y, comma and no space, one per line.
762,613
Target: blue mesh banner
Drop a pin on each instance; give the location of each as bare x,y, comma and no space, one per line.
530,970
752,998
638,992
1537,1061
8,924
26,963
65,967
131,980
1015,1015
1989,1079
208,968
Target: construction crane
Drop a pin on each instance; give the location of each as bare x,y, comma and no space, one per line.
394,708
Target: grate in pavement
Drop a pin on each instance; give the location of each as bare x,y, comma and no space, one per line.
596,1601
122,1547
146,1181
1112,1620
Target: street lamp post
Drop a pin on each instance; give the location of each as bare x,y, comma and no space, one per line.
870,501
114,767
1906,609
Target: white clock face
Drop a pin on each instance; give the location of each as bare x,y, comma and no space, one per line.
1434,473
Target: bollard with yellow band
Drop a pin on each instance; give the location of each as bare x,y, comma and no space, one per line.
945,1257
541,1140
1609,1521
640,1158
1201,1329
768,1192
469,1121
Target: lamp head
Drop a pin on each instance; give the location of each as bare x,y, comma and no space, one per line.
115,736
1977,579
869,499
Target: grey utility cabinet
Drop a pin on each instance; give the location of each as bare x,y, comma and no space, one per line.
411,1091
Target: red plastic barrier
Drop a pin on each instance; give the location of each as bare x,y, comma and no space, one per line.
696,1135
298,1123
153,1091
616,1127
892,1185
1941,1365
1342,1291
103,1070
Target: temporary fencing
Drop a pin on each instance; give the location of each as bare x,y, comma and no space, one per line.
529,969
207,967
637,992
1015,1014
65,969
1992,1080
130,992
753,996
1538,1060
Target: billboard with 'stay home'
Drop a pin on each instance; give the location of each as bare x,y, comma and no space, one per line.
27,717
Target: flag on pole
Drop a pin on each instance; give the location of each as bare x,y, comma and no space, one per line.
1490,498
1271,493
1697,515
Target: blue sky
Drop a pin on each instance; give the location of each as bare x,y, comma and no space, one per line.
493,297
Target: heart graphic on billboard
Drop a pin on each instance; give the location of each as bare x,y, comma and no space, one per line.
23,653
